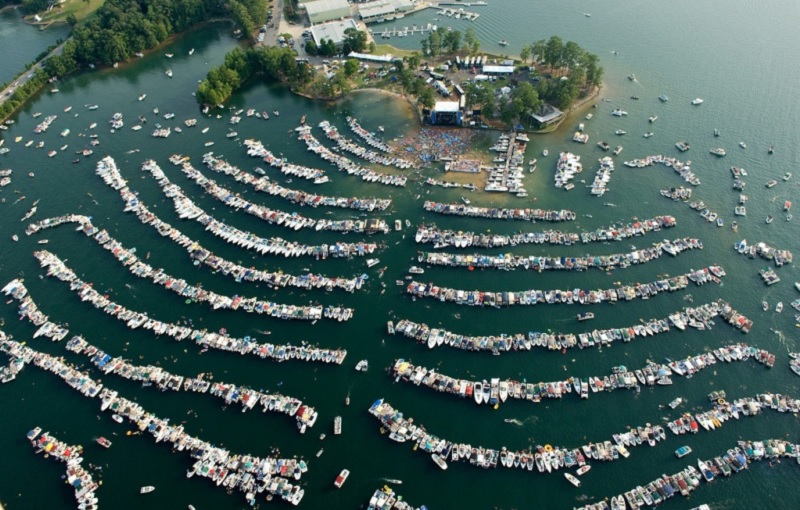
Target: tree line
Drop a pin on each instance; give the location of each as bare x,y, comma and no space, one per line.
271,62
121,28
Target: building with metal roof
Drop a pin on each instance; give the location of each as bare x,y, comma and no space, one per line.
333,30
320,11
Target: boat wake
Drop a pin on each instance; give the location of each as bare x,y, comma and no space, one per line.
514,421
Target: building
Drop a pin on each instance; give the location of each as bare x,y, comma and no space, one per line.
333,31
320,11
497,70
446,113
546,116
383,10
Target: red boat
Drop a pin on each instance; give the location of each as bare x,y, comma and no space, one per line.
105,443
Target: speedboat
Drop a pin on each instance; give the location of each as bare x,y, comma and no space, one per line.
683,451
697,101
572,479
742,145
764,306
769,219
779,307
663,98
787,176
341,478
439,461
545,153
146,489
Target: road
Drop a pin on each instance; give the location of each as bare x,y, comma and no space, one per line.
25,76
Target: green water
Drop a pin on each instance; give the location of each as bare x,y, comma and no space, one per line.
678,48
21,43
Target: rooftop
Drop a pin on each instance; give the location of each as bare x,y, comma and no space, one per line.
333,30
446,106
318,6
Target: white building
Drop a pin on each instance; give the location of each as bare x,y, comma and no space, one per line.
320,11
333,31
384,10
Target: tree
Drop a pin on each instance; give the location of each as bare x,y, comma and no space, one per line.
350,67
471,41
553,51
426,97
538,50
354,40
413,61
452,41
434,43
311,47
525,53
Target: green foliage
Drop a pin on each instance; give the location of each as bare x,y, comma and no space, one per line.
311,47
22,93
34,6
72,20
242,65
350,67
471,42
354,40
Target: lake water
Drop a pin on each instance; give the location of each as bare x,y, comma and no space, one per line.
739,56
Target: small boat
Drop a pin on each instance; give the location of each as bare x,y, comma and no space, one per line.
585,316
117,418
208,144
653,118
718,151
33,433
319,453
341,478
141,98
619,132
105,443
683,451
168,72
276,112
583,470
720,222
779,307
787,176
632,77
663,98
362,366
572,479
717,132
146,489
787,205
675,403
502,42
635,97
205,130
416,270
771,149
439,461
771,183
545,153
191,52
742,145
169,55
683,146
764,306
465,200
769,219
697,101
648,134
337,425
373,262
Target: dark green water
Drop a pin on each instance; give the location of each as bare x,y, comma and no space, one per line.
21,43
678,48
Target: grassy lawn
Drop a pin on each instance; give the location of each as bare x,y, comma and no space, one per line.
80,8
383,49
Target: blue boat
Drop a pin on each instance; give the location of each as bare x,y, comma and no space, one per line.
683,451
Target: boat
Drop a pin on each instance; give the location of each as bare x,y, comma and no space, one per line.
191,52
117,418
787,176
589,116
648,134
572,479
617,150
742,145
720,222
779,307
683,146
771,183
707,473
619,112
683,451
105,443
373,262
787,205
465,200
146,489
769,219
675,403
583,469
764,306
319,453
141,98
276,112
718,151
439,461
632,77
653,118
585,316
341,478
619,132
362,366
169,72
663,98
502,42
797,286
635,97
771,149
33,433
337,426
416,270
545,153
697,101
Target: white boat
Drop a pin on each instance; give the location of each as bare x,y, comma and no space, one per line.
141,98
146,489
742,145
341,478
117,418
362,366
169,72
779,307
545,153
439,461
373,262
572,479
697,101
583,469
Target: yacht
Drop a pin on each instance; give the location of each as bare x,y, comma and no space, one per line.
373,262
718,151
619,112
362,366
574,481
683,146
585,316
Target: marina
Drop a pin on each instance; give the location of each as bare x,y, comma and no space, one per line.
157,330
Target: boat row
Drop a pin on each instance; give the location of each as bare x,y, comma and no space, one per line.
574,296
163,380
525,214
274,216
769,276
187,209
202,337
460,239
369,138
77,477
256,149
701,318
677,194
506,173
344,164
45,124
567,167
680,168
201,255
353,148
540,458
765,251
496,391
247,473
603,177
303,198
510,262
723,411
387,499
